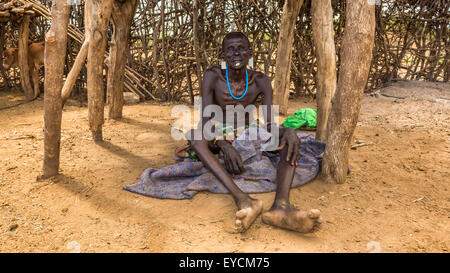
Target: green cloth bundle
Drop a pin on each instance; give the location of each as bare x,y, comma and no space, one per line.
306,117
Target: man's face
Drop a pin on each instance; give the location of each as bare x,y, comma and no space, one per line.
236,53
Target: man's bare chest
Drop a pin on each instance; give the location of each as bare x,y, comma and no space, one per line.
222,96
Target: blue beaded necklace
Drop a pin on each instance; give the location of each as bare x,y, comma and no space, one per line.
246,87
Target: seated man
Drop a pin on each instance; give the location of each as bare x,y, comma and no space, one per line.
233,86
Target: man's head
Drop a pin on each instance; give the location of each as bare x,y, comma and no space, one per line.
10,58
236,50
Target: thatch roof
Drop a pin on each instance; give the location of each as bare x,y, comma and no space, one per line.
14,10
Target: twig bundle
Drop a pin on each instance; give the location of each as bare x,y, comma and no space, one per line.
412,42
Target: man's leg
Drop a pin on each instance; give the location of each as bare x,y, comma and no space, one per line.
282,214
249,208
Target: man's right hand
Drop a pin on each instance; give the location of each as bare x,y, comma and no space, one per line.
231,157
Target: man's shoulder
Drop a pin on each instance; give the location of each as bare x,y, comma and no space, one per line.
213,70
260,77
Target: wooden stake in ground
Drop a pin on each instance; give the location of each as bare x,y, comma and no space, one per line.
322,25
198,66
282,80
55,53
2,69
96,27
356,55
122,17
156,25
23,58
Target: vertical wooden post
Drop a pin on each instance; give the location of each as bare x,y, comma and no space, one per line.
322,25
100,12
155,57
122,17
356,55
2,44
189,81
55,53
23,58
197,46
282,79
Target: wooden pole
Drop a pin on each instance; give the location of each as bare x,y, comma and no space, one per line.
2,69
322,25
23,58
55,53
155,57
282,79
122,17
75,71
100,12
356,55
197,45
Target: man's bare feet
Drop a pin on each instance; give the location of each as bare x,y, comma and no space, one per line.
290,218
247,213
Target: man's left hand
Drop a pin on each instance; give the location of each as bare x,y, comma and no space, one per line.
291,139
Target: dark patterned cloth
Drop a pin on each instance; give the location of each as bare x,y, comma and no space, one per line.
183,180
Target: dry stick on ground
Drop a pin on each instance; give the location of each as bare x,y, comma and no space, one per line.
356,54
122,17
322,23
282,80
55,49
392,96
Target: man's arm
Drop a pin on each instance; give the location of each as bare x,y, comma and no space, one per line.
263,83
209,78
288,135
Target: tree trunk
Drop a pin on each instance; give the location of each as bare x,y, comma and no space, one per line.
75,71
155,53
2,44
122,17
100,12
322,25
23,58
356,55
197,46
282,80
55,53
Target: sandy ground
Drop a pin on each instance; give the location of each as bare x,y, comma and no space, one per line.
396,198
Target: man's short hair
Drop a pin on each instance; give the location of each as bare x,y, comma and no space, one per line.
235,35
